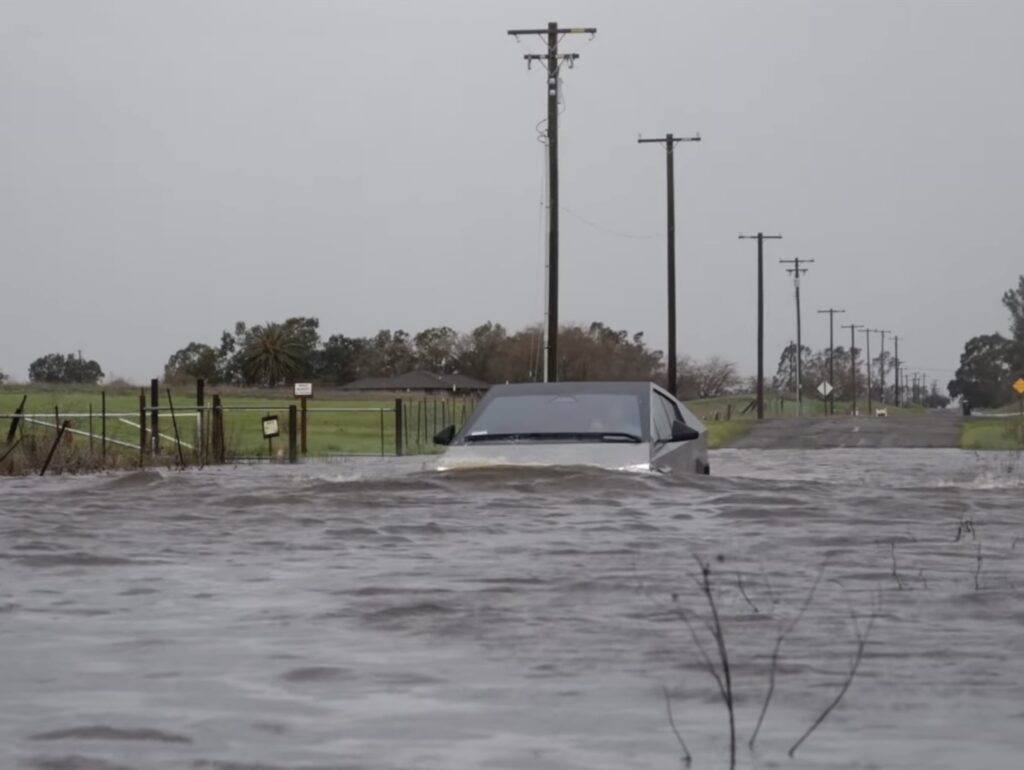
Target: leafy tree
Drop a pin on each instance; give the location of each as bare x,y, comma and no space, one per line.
55,367
339,359
482,354
985,374
3,377
272,354
437,350
785,375
387,354
305,333
229,363
1013,299
192,362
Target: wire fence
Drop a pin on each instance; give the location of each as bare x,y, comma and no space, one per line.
125,430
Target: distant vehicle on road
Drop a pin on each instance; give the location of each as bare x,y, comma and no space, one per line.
617,425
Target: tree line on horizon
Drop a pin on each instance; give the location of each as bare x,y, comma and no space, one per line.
276,353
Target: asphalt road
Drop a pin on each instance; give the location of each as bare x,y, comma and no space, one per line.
934,429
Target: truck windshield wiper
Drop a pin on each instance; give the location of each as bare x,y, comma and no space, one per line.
610,436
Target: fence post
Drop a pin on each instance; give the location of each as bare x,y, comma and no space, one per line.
53,449
142,427
154,401
217,430
293,455
13,430
103,426
305,445
200,404
398,427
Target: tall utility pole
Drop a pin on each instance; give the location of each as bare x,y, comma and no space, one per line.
796,271
867,338
853,365
554,65
761,237
831,369
896,393
670,142
881,361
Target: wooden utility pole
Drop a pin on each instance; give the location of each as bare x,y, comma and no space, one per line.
881,362
853,365
554,60
670,141
867,340
831,369
796,271
761,237
896,363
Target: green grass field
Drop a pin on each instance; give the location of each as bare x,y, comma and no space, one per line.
998,434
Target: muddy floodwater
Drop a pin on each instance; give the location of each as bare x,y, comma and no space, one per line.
373,613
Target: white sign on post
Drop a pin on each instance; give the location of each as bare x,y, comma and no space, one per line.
303,389
825,388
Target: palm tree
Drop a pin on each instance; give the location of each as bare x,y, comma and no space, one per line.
272,353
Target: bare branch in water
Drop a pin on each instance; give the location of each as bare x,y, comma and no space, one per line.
977,571
783,633
965,527
687,757
743,592
862,640
723,656
895,574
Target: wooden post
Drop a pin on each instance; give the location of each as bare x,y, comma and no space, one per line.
177,436
302,401
14,423
293,455
200,449
53,449
103,426
217,429
398,427
142,427
154,415
90,431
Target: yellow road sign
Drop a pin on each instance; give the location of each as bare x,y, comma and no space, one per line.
1019,386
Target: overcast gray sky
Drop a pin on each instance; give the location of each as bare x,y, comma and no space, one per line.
169,168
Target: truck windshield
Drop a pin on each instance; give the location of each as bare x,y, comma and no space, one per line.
580,413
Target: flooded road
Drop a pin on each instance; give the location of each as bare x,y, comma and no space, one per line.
375,614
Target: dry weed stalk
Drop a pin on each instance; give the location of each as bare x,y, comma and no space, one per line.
895,574
722,678
783,633
687,757
743,593
977,571
862,640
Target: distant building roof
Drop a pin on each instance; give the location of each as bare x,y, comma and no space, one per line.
418,380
